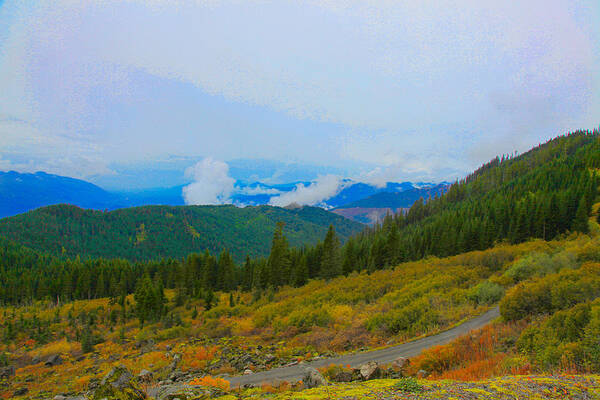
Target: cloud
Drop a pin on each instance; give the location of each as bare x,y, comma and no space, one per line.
301,80
315,193
212,183
258,190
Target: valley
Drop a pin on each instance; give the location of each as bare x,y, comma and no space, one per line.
466,293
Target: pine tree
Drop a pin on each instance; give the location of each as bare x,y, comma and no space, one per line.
331,265
580,223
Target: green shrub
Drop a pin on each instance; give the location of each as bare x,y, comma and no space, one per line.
305,319
171,333
486,293
415,317
409,385
540,264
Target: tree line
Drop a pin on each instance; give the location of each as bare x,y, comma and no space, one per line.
543,193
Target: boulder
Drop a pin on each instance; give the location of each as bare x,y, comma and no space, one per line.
400,363
313,378
248,372
118,384
370,371
53,361
185,393
422,374
342,376
145,376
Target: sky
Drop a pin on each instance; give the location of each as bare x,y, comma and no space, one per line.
140,93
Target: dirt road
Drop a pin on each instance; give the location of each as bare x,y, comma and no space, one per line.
384,356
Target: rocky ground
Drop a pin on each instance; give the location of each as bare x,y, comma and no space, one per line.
370,381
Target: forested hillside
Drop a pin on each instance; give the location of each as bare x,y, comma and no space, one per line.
155,232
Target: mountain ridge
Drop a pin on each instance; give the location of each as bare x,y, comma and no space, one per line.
151,232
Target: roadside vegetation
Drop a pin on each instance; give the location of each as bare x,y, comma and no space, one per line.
66,322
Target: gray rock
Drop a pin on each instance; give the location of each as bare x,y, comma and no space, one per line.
53,361
248,372
422,374
177,376
370,371
342,376
145,376
118,384
400,363
20,391
117,377
313,378
182,392
59,397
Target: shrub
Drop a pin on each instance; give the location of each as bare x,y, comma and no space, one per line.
210,381
540,264
408,384
305,319
552,293
486,293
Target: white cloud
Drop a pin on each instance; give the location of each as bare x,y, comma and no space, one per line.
212,183
507,73
258,190
316,193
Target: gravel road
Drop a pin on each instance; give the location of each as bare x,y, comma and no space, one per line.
384,356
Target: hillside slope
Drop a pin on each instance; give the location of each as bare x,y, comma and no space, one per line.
152,232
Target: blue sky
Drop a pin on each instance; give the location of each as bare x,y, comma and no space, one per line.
380,90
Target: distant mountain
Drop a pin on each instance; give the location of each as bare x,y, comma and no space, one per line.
357,191
373,208
153,232
23,192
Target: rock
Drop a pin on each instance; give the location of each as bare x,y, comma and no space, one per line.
36,360
422,374
93,384
7,372
248,372
168,347
400,363
59,397
145,376
269,358
370,371
20,391
118,384
342,376
184,393
177,376
313,378
53,361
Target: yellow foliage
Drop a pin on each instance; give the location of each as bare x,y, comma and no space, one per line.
59,347
211,382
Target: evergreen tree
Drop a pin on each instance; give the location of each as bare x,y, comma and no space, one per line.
331,265
580,223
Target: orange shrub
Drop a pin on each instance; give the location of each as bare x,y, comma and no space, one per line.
197,358
478,355
211,382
